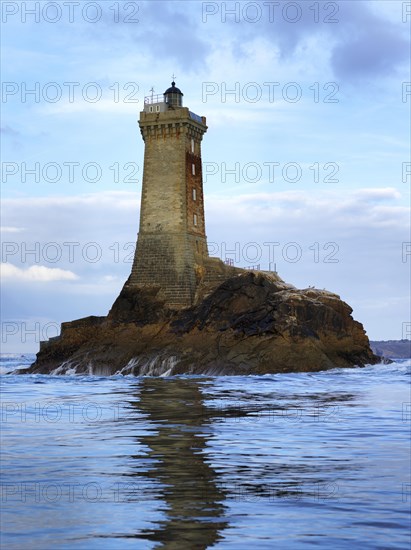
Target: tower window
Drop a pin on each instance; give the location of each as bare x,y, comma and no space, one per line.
193,169
195,219
194,194
192,146
158,108
150,108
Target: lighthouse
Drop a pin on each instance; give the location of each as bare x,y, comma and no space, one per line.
171,249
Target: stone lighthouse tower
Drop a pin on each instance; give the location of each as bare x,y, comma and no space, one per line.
171,247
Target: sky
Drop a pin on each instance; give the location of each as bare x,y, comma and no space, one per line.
306,164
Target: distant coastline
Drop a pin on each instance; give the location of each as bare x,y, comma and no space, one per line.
393,349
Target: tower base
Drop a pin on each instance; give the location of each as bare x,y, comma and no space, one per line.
172,261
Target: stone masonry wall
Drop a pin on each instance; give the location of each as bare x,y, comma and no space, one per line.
166,260
170,247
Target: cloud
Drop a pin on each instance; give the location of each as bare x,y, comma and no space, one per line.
380,194
167,30
332,209
359,41
174,33
111,218
373,50
94,233
12,136
9,229
8,131
111,199
38,273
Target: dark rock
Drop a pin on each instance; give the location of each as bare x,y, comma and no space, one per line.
252,323
142,306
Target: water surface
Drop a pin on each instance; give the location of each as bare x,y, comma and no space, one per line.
299,460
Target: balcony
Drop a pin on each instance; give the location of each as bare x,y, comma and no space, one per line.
154,98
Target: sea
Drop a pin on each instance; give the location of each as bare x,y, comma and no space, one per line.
305,460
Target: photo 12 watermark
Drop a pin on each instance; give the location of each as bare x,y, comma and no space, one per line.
28,331
241,492
405,251
271,92
319,413
406,492
271,172
54,411
406,92
69,172
53,492
406,412
69,12
231,252
69,92
406,330
271,12
406,172
271,252
53,252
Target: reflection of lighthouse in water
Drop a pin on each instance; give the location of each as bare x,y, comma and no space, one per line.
195,510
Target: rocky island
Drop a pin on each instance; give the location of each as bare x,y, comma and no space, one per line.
184,312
